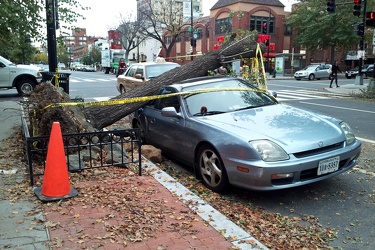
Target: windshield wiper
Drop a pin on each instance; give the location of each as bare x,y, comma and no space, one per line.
209,113
253,107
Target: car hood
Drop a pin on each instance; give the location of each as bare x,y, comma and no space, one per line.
29,67
294,129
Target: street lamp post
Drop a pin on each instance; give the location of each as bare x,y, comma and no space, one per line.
192,29
71,52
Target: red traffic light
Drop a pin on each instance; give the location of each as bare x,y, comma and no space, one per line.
357,1
370,15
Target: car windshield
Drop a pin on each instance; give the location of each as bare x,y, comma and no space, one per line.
224,96
310,67
158,69
7,62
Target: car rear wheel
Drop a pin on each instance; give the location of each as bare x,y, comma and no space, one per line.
211,169
311,77
25,87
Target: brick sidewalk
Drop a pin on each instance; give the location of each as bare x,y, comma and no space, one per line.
141,215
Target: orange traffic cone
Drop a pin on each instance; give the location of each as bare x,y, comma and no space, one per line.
56,184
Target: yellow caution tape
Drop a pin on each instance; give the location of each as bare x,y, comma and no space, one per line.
146,98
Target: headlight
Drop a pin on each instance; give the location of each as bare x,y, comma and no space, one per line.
269,151
350,137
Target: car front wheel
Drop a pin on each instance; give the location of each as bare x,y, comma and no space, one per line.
122,89
311,77
211,169
25,87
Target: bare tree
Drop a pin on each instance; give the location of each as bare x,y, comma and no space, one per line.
161,17
131,33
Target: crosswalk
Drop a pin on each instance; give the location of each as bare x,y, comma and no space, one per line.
295,95
90,80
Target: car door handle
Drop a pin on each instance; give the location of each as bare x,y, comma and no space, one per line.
152,120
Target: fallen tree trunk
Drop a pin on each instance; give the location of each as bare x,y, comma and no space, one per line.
102,116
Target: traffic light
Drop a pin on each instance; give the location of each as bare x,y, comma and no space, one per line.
359,29
193,42
331,6
264,28
267,42
357,8
371,19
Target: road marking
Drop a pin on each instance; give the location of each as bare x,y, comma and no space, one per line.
285,95
76,79
324,105
366,140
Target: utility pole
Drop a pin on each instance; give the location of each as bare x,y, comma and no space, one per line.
51,10
357,12
192,29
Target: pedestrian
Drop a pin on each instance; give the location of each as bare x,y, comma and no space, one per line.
334,70
121,67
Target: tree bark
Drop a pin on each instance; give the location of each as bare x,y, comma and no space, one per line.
102,116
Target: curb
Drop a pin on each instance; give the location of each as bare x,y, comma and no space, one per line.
233,233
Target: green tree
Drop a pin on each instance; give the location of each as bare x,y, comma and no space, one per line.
316,29
92,56
21,20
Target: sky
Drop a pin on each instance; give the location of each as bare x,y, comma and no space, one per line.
105,15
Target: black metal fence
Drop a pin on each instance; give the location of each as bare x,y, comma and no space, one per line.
84,150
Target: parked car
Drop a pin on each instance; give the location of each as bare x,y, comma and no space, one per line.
139,73
230,132
87,68
314,71
370,71
22,77
354,72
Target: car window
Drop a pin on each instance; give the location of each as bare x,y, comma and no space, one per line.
169,101
139,70
158,69
131,71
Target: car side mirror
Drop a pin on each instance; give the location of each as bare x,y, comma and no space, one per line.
139,76
170,112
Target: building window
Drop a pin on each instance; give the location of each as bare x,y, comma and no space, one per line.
287,30
199,33
187,35
167,39
178,38
223,26
256,23
207,32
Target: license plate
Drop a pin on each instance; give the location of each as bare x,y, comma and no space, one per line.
349,74
328,165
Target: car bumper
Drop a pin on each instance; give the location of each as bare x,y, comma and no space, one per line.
303,170
300,77
39,79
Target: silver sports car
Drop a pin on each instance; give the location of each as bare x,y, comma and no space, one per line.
233,133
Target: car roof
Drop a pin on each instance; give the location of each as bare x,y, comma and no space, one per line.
154,63
200,81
